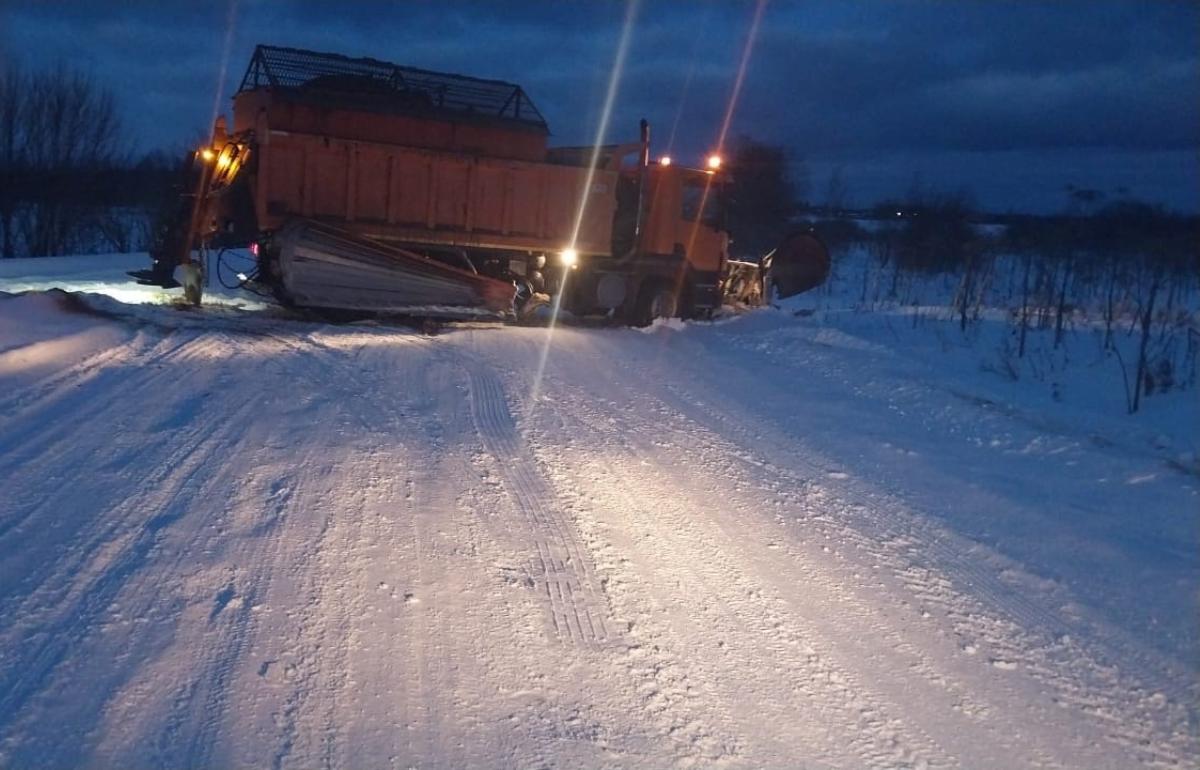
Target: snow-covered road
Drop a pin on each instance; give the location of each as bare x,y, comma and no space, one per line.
259,542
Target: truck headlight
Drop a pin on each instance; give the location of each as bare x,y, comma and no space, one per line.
569,257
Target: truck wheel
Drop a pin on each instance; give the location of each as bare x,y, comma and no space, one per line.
655,300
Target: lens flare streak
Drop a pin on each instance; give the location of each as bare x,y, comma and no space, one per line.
610,97
227,45
751,38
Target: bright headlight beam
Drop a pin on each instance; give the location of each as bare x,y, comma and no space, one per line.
614,80
569,257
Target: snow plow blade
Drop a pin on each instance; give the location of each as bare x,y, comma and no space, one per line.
319,266
798,264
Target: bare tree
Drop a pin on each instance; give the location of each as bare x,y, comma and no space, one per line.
12,148
74,139
60,142
763,196
937,233
1030,238
837,191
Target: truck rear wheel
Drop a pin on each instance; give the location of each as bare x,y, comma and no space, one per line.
655,300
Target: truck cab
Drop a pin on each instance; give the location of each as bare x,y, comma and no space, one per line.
669,247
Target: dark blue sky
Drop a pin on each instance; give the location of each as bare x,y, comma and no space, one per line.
1011,100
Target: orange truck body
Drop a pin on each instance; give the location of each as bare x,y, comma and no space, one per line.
429,161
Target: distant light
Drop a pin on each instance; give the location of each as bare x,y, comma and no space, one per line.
569,257
254,249
242,277
898,213
714,162
207,154
664,160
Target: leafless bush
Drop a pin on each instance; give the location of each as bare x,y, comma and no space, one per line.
68,183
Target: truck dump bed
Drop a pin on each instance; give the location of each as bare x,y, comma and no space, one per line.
407,155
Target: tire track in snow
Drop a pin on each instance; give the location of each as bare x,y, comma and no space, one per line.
36,393
194,716
948,572
952,574
33,434
805,676
31,501
111,560
559,567
311,722
188,737
196,721
317,650
201,707
672,726
29,405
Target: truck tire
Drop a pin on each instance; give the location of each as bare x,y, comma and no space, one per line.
655,300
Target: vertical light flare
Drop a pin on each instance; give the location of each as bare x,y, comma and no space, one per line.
751,38
198,202
687,82
614,80
226,46
610,97
743,65
730,108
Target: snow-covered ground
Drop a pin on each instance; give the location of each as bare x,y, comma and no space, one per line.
231,539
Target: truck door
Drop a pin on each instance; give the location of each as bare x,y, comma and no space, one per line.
699,225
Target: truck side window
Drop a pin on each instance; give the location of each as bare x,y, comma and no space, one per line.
694,196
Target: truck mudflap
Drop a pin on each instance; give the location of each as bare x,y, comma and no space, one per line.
801,262
705,296
315,265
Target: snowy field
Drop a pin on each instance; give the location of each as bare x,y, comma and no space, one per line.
837,539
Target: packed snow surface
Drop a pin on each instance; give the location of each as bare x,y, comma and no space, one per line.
229,539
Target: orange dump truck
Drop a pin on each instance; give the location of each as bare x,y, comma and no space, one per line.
367,186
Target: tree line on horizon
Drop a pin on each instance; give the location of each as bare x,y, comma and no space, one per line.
70,180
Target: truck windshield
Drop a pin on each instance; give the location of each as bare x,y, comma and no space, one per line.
701,200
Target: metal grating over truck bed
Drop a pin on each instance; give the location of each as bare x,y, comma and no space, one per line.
390,85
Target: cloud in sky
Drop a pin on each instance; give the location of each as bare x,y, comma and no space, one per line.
979,94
